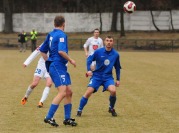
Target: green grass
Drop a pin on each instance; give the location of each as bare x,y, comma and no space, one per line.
147,99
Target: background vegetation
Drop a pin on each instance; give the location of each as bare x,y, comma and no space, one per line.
93,6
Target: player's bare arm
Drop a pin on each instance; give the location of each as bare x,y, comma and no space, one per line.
86,52
67,57
44,55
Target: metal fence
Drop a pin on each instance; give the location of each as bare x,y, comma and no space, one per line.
120,44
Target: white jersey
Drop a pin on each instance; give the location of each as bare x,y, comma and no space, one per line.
40,69
93,44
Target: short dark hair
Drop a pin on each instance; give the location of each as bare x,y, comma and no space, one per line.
96,29
59,20
109,37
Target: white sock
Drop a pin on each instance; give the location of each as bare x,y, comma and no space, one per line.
28,92
45,94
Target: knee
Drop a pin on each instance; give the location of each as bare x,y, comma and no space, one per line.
113,92
69,93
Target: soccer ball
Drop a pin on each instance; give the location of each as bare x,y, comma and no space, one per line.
129,7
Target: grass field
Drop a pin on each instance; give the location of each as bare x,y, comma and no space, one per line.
147,100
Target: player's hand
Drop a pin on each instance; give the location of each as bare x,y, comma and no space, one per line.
86,54
117,83
24,65
73,62
89,73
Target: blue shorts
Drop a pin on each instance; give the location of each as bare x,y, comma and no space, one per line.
96,83
59,77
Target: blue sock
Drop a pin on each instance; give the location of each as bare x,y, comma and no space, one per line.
52,110
83,102
67,111
112,100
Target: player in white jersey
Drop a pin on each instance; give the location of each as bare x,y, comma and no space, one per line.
93,43
39,73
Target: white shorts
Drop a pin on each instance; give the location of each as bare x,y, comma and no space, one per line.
41,71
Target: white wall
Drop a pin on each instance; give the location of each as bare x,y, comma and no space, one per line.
1,22
86,22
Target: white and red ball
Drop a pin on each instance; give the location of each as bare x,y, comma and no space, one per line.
129,7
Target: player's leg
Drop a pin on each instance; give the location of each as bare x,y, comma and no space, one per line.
59,80
55,104
35,44
47,87
93,86
21,47
24,46
84,100
68,108
112,99
45,92
30,88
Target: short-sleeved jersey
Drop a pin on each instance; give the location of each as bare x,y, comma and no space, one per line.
55,41
105,61
93,44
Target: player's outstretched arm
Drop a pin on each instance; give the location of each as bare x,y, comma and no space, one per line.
32,56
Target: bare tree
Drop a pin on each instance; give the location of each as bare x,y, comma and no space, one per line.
153,21
122,18
7,6
114,15
117,6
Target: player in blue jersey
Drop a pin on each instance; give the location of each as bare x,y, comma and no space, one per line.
106,58
57,46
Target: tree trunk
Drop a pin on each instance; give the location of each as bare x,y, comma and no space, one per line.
153,21
78,5
122,19
7,6
101,23
171,20
114,16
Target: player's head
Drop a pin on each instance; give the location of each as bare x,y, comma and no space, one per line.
96,33
59,21
109,42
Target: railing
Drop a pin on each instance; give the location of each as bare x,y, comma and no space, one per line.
120,44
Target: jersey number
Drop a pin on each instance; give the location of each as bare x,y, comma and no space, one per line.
38,71
50,42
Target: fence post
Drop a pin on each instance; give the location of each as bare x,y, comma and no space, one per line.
117,45
172,45
81,43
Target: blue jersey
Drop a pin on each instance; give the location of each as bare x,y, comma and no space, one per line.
55,41
105,61
56,65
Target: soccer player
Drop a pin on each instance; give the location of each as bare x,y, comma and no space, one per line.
39,74
92,44
106,58
57,46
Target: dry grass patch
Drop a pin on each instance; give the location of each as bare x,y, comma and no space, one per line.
147,100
